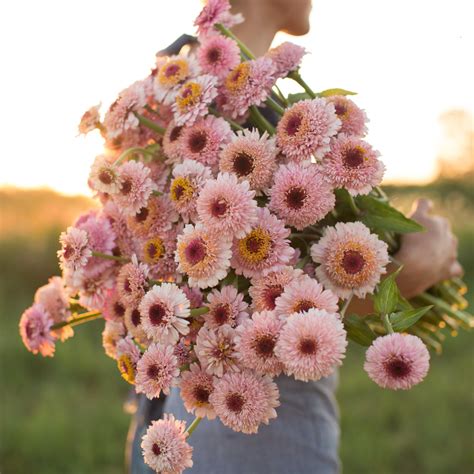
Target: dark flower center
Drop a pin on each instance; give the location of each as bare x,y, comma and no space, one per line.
171,70
142,214
213,55
126,286
218,208
105,176
152,250
195,252
243,164
397,368
235,402
293,124
304,305
221,314
254,244
341,109
271,294
29,329
197,141
156,449
119,309
201,394
352,262
307,346
295,197
157,313
178,192
68,251
136,317
353,157
153,371
175,133
126,187
264,345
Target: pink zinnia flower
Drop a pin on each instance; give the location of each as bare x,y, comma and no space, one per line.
256,341
215,349
244,400
120,117
352,117
312,344
249,83
196,386
193,99
103,176
265,290
171,141
226,207
157,371
251,157
35,330
128,356
123,238
135,187
113,308
202,142
216,11
158,252
132,282
218,55
133,323
264,249
93,288
351,259
352,164
300,196
397,361
204,257
188,179
164,310
286,57
90,120
75,249
165,448
302,295
226,306
194,296
113,332
306,129
54,299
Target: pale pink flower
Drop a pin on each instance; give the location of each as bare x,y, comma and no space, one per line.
183,352
158,252
226,207
113,332
113,308
251,157
133,323
302,295
266,289
351,259
132,282
300,195
128,355
196,386
90,120
226,306
256,341
202,142
397,361
165,448
93,288
218,55
157,371
204,257
249,83
216,11
352,117
352,164
264,249
286,57
75,249
35,330
312,344
171,141
124,240
194,296
244,400
306,128
135,187
54,299
215,349
164,310
103,176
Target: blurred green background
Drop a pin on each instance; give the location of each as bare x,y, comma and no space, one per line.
65,415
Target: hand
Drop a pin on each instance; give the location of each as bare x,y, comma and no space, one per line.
430,256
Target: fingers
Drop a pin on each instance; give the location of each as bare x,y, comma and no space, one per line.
456,269
422,207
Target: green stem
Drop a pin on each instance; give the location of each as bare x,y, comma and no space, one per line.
275,106
302,262
305,236
132,151
260,121
387,324
229,34
150,124
110,257
154,282
156,193
83,318
345,306
199,311
297,78
353,205
193,426
381,193
281,96
234,125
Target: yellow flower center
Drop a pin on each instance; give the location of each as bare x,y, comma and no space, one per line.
173,72
153,250
188,95
236,78
181,189
126,368
255,246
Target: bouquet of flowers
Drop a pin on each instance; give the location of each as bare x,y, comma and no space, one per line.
235,225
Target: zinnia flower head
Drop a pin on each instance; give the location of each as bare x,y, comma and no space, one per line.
248,84
194,296
216,11
251,157
128,356
196,386
193,99
256,341
103,176
113,308
75,249
204,257
300,195
132,282
306,128
264,249
397,361
351,259
312,344
215,349
113,332
158,252
35,330
226,306
244,400
90,120
133,323
352,164
171,141
164,310
286,57
54,299
303,294
165,448
157,371
226,207
352,117
218,55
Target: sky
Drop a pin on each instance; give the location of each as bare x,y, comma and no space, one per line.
408,60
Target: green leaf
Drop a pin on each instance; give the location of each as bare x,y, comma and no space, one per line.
402,320
293,98
336,91
387,296
380,215
358,330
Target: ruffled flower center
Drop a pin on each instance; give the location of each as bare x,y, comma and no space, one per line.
158,313
214,55
126,368
142,215
181,189
195,251
271,293
197,141
221,313
341,109
175,133
264,345
126,186
352,262
255,246
219,207
119,309
303,305
354,157
293,124
307,346
189,95
136,317
397,367
173,73
243,164
106,176
295,197
201,394
237,78
156,449
153,250
235,402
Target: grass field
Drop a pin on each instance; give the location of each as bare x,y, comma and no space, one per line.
65,415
